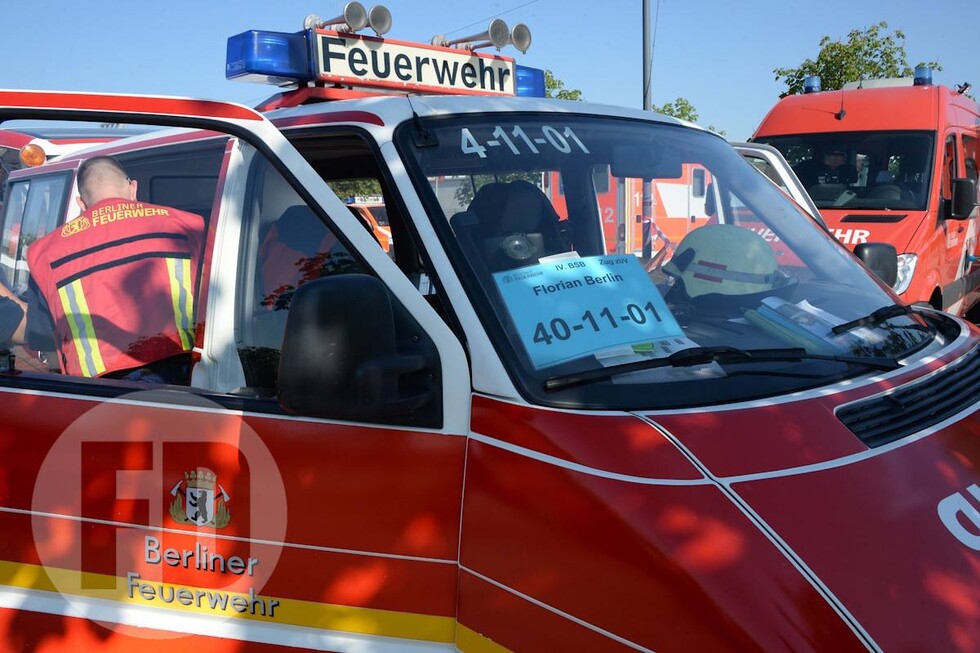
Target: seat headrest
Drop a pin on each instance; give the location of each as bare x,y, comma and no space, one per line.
514,207
299,228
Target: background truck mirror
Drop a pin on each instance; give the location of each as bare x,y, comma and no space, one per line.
964,199
880,258
339,355
644,162
710,205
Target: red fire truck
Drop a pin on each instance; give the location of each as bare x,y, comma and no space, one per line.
497,435
907,154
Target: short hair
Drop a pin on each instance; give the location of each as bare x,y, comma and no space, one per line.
97,172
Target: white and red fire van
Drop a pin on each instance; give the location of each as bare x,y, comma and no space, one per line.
910,151
496,436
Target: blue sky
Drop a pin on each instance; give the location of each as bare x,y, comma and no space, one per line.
718,54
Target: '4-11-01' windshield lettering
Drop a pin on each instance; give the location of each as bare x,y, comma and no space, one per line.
518,140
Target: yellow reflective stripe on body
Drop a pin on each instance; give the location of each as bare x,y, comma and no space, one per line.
170,597
82,329
183,299
470,641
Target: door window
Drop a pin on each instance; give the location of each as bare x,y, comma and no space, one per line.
34,207
971,156
287,245
949,166
119,296
112,290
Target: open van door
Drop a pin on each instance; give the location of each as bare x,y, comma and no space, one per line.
138,509
770,162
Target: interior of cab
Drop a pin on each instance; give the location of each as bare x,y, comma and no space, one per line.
893,168
284,243
287,245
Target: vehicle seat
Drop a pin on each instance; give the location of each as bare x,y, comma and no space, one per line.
885,192
511,225
826,192
891,192
290,251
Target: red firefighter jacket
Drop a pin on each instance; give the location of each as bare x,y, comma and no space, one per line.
119,282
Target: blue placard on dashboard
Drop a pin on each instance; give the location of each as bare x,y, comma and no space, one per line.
572,307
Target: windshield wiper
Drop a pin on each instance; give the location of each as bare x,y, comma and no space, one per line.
721,354
875,318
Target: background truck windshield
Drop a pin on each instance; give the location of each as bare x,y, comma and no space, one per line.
543,215
862,170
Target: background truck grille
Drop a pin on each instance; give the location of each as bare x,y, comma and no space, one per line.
884,218
916,406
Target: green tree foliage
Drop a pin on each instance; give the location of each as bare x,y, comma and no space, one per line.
679,108
355,187
682,109
555,89
871,53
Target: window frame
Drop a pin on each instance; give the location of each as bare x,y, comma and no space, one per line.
20,257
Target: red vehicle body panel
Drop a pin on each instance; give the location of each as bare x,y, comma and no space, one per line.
343,559
785,507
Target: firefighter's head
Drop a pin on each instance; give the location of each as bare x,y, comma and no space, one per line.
834,157
724,259
101,178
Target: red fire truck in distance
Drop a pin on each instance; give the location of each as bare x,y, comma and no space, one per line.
905,154
496,436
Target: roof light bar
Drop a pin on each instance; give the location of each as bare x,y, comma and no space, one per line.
268,58
329,63
923,76
530,82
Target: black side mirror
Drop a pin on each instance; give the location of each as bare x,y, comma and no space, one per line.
964,199
339,356
881,258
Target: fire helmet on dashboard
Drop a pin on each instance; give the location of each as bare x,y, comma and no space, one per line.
723,259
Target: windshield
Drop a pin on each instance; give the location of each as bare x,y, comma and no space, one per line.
862,170
543,214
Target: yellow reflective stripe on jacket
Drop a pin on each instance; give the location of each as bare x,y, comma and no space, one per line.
183,299
82,330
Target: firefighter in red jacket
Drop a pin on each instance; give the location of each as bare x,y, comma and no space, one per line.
118,282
